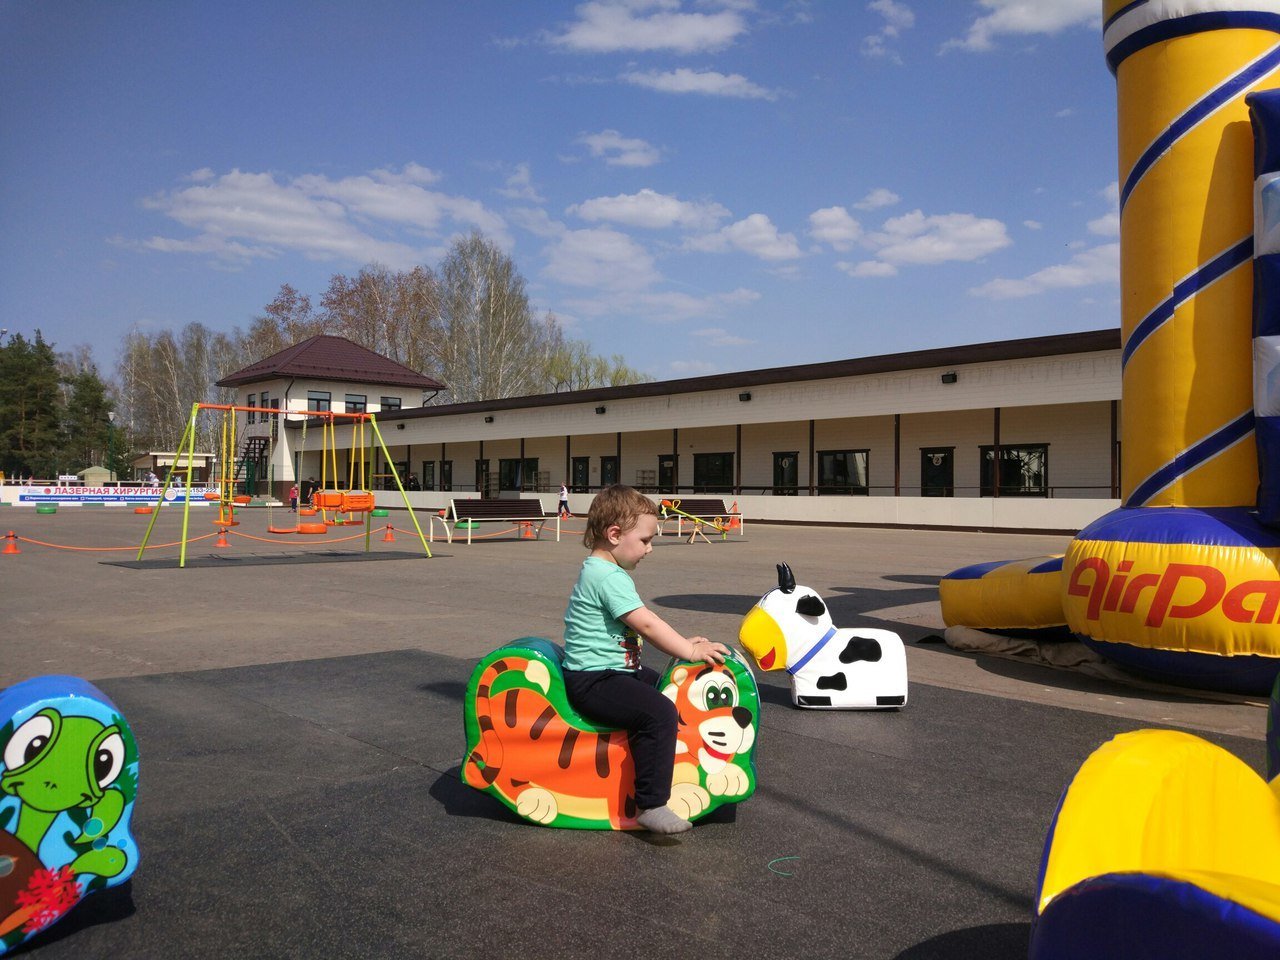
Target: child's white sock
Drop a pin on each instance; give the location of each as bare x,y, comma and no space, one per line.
662,820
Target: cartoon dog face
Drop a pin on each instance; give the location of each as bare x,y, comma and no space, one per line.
787,611
714,727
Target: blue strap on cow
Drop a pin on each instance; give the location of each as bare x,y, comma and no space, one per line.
812,652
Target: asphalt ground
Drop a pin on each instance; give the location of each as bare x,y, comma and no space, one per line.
298,710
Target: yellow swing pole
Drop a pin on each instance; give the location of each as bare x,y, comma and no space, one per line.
373,422
186,493
168,480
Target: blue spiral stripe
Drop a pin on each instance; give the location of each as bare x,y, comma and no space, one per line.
1184,26
1184,290
1195,455
1203,108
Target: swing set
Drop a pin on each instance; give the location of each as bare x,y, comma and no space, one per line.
329,499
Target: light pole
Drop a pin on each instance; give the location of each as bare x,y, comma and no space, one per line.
111,445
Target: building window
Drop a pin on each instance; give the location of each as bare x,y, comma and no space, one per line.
319,400
428,474
252,415
264,401
516,474
842,472
1024,470
356,402
713,472
389,403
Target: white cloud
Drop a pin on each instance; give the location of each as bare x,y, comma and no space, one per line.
719,337
663,306
755,235
384,215
602,258
1108,225
620,151
898,17
1096,265
520,185
1033,224
1024,18
651,210
918,239
879,197
707,82
609,27
835,227
867,268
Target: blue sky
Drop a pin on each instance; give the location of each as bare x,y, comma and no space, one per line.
699,185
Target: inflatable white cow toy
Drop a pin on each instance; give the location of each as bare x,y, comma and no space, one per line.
790,629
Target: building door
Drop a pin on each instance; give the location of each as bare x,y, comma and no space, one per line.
608,471
482,478
786,474
580,474
937,472
446,474
667,473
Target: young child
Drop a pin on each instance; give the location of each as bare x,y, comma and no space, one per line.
603,630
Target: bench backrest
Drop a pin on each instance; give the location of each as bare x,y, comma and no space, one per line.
700,507
498,509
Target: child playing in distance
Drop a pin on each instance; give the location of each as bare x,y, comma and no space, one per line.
604,627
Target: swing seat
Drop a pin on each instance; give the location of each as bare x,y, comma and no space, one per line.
211,495
226,522
313,528
357,501
306,511
328,499
271,529
144,510
241,498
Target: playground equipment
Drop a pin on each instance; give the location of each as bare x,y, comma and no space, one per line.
1181,582
1163,846
791,629
671,508
531,750
352,501
67,789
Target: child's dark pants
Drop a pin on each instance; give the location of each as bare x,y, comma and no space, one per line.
629,700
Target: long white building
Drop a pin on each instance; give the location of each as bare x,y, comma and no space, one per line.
1018,434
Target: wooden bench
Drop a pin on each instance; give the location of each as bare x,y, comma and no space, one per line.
523,510
710,510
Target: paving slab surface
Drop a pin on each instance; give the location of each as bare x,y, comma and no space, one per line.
300,728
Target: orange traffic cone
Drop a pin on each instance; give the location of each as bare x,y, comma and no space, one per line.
734,522
528,532
10,544
389,537
222,538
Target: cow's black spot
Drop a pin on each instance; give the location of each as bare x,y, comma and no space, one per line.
835,681
810,606
860,648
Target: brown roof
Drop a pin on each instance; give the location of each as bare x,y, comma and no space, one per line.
1092,341
331,358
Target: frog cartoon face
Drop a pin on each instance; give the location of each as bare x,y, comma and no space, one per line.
54,763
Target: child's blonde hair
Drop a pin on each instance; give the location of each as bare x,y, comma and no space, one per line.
617,505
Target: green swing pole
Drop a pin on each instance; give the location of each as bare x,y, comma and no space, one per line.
373,421
186,498
168,480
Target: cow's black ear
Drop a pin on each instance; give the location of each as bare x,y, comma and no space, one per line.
786,579
811,606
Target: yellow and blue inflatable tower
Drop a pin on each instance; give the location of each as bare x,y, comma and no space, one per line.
1181,582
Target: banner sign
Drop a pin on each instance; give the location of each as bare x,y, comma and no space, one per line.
52,493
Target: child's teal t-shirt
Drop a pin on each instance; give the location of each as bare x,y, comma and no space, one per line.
594,637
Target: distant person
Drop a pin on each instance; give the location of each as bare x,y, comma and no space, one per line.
412,483
308,490
563,510
293,498
152,479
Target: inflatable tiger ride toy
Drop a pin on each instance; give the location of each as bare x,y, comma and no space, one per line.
529,748
67,790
